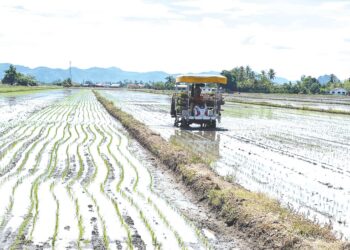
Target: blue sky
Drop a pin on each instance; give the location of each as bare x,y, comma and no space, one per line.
293,37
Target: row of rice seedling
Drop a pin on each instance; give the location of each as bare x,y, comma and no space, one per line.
75,146
127,160
23,163
31,171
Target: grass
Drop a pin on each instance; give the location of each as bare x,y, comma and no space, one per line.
261,217
10,89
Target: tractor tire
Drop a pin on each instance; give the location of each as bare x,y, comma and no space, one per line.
172,109
212,124
184,124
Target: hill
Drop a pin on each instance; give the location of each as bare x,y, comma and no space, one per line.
95,74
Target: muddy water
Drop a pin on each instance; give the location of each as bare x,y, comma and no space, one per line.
299,157
71,177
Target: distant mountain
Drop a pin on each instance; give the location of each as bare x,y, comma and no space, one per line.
323,80
95,74
280,80
49,75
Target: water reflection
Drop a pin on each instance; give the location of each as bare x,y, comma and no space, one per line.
11,101
203,142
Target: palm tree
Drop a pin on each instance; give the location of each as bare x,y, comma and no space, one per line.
332,78
241,74
170,79
271,74
248,71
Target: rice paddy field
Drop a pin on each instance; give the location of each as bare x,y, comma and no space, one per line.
299,157
322,102
72,178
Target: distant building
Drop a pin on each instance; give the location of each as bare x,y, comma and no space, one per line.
135,86
338,91
115,85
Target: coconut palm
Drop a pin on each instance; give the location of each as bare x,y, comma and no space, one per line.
271,74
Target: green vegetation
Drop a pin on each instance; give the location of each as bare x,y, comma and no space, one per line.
4,88
66,83
12,77
167,85
244,79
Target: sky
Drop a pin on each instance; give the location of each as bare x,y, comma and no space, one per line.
294,37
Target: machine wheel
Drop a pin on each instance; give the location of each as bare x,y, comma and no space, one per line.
212,124
172,110
176,122
184,124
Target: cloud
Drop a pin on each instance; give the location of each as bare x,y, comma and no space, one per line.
282,47
179,36
250,40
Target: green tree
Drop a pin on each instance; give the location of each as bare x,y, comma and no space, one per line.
248,72
170,79
25,80
231,80
13,77
315,88
347,84
332,78
271,74
169,82
241,74
67,83
10,76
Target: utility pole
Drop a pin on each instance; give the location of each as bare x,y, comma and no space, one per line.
70,70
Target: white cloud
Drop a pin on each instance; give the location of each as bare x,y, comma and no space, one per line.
292,37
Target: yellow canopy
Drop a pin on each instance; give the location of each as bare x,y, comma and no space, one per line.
197,79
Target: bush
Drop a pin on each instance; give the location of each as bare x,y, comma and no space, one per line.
67,83
12,77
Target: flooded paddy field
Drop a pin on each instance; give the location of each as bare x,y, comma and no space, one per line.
324,102
299,157
71,177
17,106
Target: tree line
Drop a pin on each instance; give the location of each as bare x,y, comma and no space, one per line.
12,77
240,79
244,79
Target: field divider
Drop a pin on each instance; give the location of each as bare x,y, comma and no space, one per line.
259,217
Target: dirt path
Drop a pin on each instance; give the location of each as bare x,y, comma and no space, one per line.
72,178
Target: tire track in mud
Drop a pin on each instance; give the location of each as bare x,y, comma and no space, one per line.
81,186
